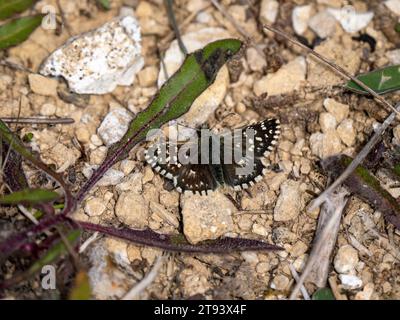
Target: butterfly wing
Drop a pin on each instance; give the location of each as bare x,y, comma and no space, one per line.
163,157
260,140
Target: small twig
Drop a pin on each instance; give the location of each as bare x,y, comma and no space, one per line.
88,242
14,66
174,25
320,271
239,28
146,281
34,120
335,289
337,202
27,214
303,290
64,20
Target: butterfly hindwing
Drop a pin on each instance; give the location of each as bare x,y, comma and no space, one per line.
257,141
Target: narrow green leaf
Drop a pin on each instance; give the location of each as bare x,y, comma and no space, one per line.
105,4
18,30
323,294
29,196
81,289
175,97
11,7
381,81
53,253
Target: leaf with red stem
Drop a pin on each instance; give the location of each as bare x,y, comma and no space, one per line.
178,242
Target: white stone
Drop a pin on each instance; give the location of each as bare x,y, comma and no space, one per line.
206,104
255,60
351,20
346,259
346,132
327,122
269,11
287,79
207,217
111,178
325,144
339,110
97,61
350,282
290,201
323,24
48,109
114,126
43,85
393,5
300,17
393,56
94,207
132,209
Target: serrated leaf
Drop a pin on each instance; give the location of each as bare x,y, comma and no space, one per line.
105,4
81,289
30,197
10,7
18,30
382,81
323,294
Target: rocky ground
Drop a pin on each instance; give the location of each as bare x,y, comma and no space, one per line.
271,79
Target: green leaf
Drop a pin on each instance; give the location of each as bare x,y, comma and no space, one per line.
323,294
175,97
55,252
105,4
381,81
81,289
29,196
11,7
18,30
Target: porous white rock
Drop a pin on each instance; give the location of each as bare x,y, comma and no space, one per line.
210,99
114,125
300,17
351,20
97,61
